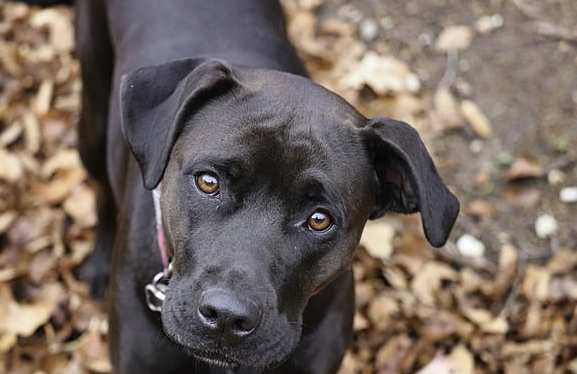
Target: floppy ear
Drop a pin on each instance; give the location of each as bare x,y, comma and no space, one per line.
157,100
408,180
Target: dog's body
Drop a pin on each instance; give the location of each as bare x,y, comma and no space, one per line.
267,182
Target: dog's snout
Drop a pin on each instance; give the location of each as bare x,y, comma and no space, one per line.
228,318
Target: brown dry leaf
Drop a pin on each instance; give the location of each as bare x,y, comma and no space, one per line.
380,311
508,263
81,205
522,195
302,29
427,281
563,262
396,278
383,74
360,322
11,134
389,358
80,250
563,288
441,364
55,125
24,319
446,111
461,360
6,220
535,285
12,169
44,97
436,325
525,167
486,321
63,159
403,106
333,26
310,4
93,352
532,325
532,347
42,263
481,210
60,28
32,226
7,342
351,364
377,239
56,190
454,38
478,121
31,133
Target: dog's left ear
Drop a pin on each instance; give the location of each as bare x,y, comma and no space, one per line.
157,100
407,178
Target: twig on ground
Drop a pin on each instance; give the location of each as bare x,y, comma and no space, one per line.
450,70
552,31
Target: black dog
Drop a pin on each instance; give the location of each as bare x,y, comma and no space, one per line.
267,182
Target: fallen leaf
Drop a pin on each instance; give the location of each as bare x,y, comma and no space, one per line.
439,365
522,194
454,38
56,190
62,160
383,74
377,239
436,325
535,284
60,28
380,311
486,321
12,169
447,113
488,24
525,167
563,262
481,210
478,121
24,319
6,220
81,205
389,357
428,281
93,353
461,360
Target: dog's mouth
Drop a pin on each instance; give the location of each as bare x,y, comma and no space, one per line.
215,359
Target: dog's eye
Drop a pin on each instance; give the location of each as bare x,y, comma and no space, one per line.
319,221
208,183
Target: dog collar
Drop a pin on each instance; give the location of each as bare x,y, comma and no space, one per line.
155,291
159,227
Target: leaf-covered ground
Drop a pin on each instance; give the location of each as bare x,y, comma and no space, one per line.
501,297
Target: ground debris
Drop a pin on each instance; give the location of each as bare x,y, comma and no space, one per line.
418,311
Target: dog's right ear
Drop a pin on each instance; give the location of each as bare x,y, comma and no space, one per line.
157,100
407,178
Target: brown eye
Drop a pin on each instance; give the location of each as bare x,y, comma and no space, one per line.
319,221
208,183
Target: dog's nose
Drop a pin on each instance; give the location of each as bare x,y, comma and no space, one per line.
228,318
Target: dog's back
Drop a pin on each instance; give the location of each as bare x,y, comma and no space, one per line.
246,32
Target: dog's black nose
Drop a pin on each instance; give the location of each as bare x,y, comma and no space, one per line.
228,318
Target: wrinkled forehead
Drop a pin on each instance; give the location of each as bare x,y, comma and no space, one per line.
279,134
277,119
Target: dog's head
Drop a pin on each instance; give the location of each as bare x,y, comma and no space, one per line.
267,182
